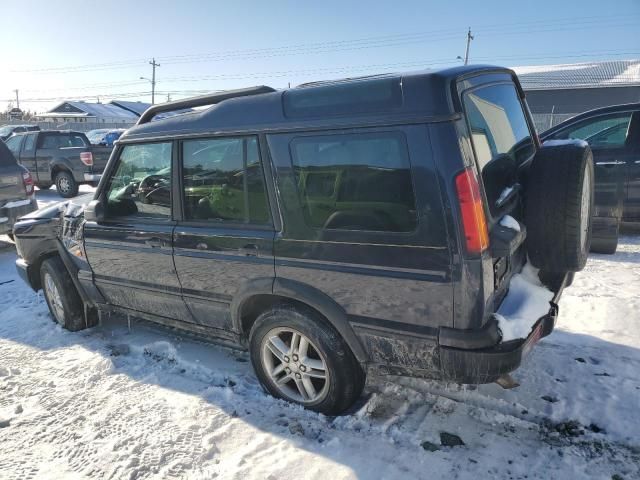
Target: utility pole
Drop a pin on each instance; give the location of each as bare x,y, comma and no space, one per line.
153,80
168,96
17,99
466,54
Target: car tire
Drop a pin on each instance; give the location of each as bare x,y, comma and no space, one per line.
559,208
63,300
336,378
553,280
607,246
66,185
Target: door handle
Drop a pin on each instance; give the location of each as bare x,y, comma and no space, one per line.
250,250
154,243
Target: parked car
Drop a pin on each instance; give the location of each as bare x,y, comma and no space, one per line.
104,136
16,190
65,159
8,130
614,136
333,229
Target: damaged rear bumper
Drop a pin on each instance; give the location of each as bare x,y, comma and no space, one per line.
488,364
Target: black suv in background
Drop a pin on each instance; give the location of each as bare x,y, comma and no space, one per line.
16,190
7,130
613,133
331,229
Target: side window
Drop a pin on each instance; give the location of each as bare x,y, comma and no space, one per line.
14,145
355,182
29,142
141,184
608,131
500,135
49,141
223,181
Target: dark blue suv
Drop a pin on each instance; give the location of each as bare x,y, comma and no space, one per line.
374,224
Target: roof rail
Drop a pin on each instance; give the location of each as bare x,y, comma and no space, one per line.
202,100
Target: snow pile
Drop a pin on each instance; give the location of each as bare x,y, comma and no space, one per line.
509,222
526,302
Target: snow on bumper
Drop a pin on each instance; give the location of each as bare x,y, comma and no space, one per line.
528,313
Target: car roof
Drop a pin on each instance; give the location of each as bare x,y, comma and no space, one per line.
591,113
423,94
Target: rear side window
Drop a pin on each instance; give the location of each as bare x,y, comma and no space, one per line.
223,181
355,182
607,131
29,142
63,141
500,135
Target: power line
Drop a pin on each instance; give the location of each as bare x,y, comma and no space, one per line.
566,24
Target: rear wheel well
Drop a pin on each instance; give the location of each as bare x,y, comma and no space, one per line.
257,304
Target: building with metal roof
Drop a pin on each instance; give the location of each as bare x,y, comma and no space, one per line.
557,92
87,112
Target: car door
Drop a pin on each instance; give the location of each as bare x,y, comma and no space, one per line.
224,242
606,135
46,150
632,201
130,251
28,155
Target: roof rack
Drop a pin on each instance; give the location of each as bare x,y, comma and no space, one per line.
202,100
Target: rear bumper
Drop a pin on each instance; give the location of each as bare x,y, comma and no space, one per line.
465,356
92,177
487,365
11,211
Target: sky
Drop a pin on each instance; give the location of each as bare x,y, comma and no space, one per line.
74,49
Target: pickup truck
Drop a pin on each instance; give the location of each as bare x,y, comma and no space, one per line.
16,191
65,159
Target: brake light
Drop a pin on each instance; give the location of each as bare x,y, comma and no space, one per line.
86,158
474,222
27,179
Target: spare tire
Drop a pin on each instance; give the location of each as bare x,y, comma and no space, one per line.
559,207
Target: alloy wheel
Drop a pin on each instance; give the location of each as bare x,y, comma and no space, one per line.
295,365
55,300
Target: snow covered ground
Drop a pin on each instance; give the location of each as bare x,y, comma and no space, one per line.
148,403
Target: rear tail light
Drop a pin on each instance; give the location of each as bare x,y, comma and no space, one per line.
86,158
474,222
28,182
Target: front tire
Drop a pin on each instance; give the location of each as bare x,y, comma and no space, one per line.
298,356
65,305
66,185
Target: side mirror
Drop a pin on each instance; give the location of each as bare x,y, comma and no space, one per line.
94,211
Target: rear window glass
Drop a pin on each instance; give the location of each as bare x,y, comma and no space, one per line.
63,141
345,98
500,135
355,182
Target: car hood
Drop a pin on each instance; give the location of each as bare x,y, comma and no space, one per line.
71,208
